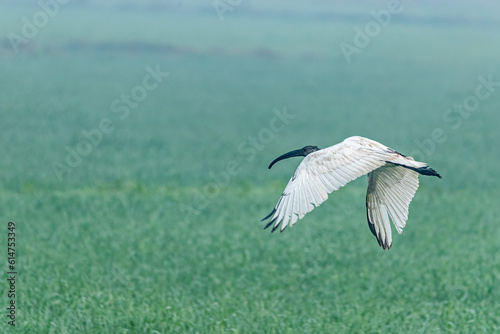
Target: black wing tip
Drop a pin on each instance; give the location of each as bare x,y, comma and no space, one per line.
374,232
269,215
383,244
372,227
270,223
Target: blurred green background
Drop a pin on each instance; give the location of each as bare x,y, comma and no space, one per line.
152,226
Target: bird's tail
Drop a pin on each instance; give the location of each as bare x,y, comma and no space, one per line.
426,170
417,166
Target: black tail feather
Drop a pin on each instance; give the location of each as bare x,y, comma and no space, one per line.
428,171
421,170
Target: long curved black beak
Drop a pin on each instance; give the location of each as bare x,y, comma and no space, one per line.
296,153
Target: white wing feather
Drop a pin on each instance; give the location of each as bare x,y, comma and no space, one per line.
390,191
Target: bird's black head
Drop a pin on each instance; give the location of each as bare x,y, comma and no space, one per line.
309,149
303,152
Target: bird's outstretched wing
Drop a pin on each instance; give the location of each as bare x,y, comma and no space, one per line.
390,191
323,172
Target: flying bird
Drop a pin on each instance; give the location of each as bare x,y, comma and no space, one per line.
392,183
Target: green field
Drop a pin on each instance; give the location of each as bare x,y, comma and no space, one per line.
144,216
